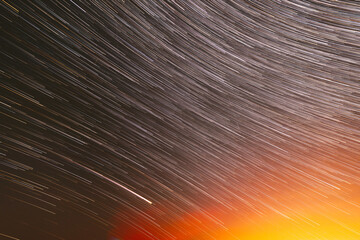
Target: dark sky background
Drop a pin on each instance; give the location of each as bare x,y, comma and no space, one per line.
177,119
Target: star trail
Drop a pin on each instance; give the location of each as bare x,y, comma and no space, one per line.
218,119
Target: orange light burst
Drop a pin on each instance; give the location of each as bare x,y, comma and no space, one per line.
335,217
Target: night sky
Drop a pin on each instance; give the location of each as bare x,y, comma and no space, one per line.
180,120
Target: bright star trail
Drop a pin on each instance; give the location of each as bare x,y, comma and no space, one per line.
180,120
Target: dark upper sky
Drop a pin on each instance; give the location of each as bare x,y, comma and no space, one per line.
161,117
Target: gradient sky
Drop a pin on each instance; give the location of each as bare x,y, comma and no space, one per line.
180,120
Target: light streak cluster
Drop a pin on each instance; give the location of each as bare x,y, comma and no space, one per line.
180,119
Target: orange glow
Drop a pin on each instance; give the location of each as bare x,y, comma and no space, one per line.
327,218
317,227
331,218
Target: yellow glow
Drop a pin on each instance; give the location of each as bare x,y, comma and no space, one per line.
289,230
333,218
297,215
